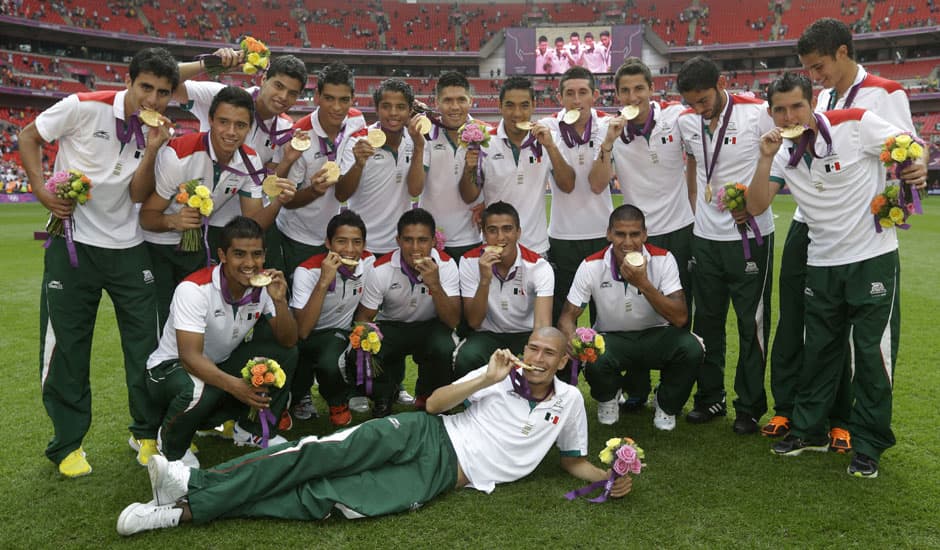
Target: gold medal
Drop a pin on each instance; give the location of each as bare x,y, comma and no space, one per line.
571,116
630,112
349,262
708,193
269,186
150,117
332,170
376,138
300,143
792,132
424,125
524,125
260,279
635,259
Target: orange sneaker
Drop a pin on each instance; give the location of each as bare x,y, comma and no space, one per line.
778,426
840,441
286,422
340,415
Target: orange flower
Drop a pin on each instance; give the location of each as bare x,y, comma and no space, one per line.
885,157
359,330
182,197
354,340
269,377
254,45
590,355
257,380
889,143
260,368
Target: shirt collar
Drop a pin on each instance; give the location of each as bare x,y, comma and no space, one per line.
236,158
118,105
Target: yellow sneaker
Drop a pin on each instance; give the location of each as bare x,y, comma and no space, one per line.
225,431
193,448
75,465
148,448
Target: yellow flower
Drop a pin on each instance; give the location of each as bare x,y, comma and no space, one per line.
248,68
206,207
607,456
203,191
376,347
899,154
280,378
886,223
903,140
194,201
253,58
612,442
366,345
599,343
263,63
915,151
373,338
896,214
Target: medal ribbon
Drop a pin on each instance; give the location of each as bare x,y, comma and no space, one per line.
631,129
130,127
251,171
710,169
570,135
274,135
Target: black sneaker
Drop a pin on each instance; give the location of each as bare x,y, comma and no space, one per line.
633,404
382,407
744,425
792,445
703,413
863,466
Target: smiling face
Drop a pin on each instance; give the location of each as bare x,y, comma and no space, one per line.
347,242
454,104
394,111
626,236
228,129
578,95
516,106
545,352
333,101
147,91
277,95
826,70
501,230
633,89
242,259
415,241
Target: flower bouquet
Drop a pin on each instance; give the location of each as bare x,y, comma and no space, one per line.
473,136
733,197
257,55
587,345
366,341
71,185
198,196
261,373
889,211
897,153
624,457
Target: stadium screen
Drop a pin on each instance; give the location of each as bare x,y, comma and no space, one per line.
552,50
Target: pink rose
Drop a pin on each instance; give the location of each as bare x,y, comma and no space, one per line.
472,134
626,453
621,467
585,334
57,179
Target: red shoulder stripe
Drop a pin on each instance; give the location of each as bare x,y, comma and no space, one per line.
362,132
872,81
599,255
601,113
386,258
445,257
248,150
842,115
106,96
474,252
743,100
305,123
353,112
529,255
188,144
667,104
313,262
365,254
201,277
655,250
689,111
286,117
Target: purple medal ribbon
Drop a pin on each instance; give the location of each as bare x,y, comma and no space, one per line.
252,296
251,171
745,243
274,135
570,135
710,169
325,144
615,269
645,132
128,128
521,386
606,484
833,98
533,145
346,274
69,241
205,240
364,370
413,277
509,276
265,418
575,365
808,141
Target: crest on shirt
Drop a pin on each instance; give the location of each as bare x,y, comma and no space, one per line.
553,418
833,167
666,139
102,134
218,313
606,284
440,147
394,286
732,127
498,156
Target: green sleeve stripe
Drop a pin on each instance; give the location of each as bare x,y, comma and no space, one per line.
778,180
246,194
574,453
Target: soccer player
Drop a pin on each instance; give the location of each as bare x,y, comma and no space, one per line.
721,133
397,463
326,293
222,162
195,374
302,223
443,165
517,164
595,57
641,312
852,295
576,227
100,135
506,289
543,62
415,292
379,181
827,53
561,57
646,155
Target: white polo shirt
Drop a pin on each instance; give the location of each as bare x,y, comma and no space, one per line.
651,172
340,302
85,126
737,161
307,224
581,214
596,59
389,290
834,193
519,177
511,304
198,307
560,62
382,196
621,307
443,166
502,437
543,60
191,157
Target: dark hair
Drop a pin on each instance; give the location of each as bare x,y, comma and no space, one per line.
241,227
393,85
588,35
417,216
573,34
633,66
626,213
499,208
824,37
516,83
559,39
336,73
575,73
543,38
788,82
346,217
289,66
605,33
452,78
156,61
696,74
234,96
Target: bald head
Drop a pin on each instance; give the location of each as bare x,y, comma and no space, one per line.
549,333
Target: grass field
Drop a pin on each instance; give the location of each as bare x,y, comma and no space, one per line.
704,486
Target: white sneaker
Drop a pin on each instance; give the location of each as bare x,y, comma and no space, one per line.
169,480
405,398
661,419
608,412
304,409
243,438
189,459
144,517
359,404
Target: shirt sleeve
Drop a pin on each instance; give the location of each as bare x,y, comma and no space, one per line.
168,173
267,304
873,131
346,157
669,282
580,293
61,120
573,437
304,282
765,122
201,93
542,280
778,169
897,111
298,172
479,394
373,289
469,277
450,278
190,307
